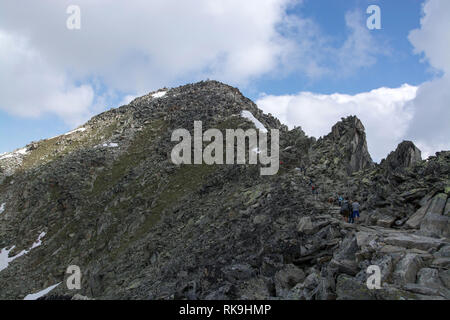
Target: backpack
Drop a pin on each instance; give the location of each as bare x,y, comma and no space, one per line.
345,209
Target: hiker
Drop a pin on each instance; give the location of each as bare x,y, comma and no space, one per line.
351,218
345,209
340,199
355,210
313,189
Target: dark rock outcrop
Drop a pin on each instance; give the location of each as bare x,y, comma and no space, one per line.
110,201
343,151
351,136
405,156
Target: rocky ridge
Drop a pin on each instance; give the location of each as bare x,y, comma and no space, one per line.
110,201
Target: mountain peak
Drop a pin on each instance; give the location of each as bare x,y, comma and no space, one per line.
106,197
406,155
347,144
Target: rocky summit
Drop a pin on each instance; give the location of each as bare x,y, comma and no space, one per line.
107,198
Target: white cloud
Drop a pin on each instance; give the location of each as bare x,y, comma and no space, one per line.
430,124
418,113
383,111
360,48
29,86
149,43
433,37
429,149
316,55
127,99
133,49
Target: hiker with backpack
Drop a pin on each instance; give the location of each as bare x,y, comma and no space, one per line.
355,211
345,210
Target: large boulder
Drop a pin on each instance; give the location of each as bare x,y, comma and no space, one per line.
406,155
406,270
429,278
344,260
434,222
435,226
348,288
342,152
444,275
410,241
305,226
350,134
287,278
416,219
307,289
438,203
386,264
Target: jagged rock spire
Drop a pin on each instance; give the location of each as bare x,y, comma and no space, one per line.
406,155
349,136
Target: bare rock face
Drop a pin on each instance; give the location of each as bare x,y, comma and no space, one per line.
405,156
107,198
349,139
354,133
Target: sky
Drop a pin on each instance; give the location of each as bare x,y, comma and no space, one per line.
308,62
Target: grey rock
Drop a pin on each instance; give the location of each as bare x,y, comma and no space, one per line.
437,204
347,288
416,219
434,222
406,270
435,225
141,227
287,278
444,275
305,226
429,278
406,155
414,241
238,272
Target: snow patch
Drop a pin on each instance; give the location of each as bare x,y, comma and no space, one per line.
37,295
13,154
5,260
6,156
22,151
248,115
38,241
159,94
111,145
74,131
2,207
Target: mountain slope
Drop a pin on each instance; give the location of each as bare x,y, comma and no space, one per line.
110,201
